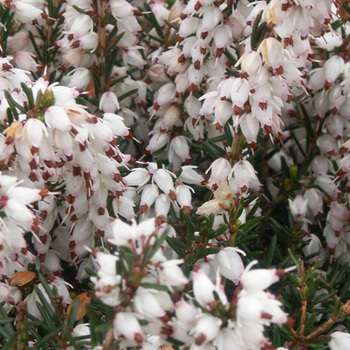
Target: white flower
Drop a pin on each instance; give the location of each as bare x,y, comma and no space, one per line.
340,341
257,280
220,170
109,102
206,329
164,180
298,207
107,289
230,263
147,305
137,177
170,273
127,328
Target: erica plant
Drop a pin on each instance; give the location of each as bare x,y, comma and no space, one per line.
175,175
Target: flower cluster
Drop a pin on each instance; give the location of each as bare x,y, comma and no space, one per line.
152,152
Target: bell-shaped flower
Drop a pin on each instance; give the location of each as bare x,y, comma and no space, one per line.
298,207
109,102
137,177
340,341
184,197
244,173
259,279
149,195
230,263
333,68
206,329
147,305
56,117
170,273
127,328
162,205
220,170
164,180
250,128
314,246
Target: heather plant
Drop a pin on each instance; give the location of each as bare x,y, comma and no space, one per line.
175,175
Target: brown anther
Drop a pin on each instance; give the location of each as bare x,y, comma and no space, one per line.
200,339
118,178
129,136
45,175
110,152
42,257
138,337
279,70
203,50
82,146
70,199
87,176
33,177
6,67
172,195
132,161
159,220
244,188
118,158
33,164
34,150
267,129
43,239
76,44
204,35
101,211
137,12
76,170
197,6
183,16
49,163
100,233
263,105
74,218
181,59
156,106
280,272
44,192
60,163
218,126
266,315
193,87
143,208
252,144
285,6
179,38
197,65
327,84
237,110
43,214
187,209
219,52
310,57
